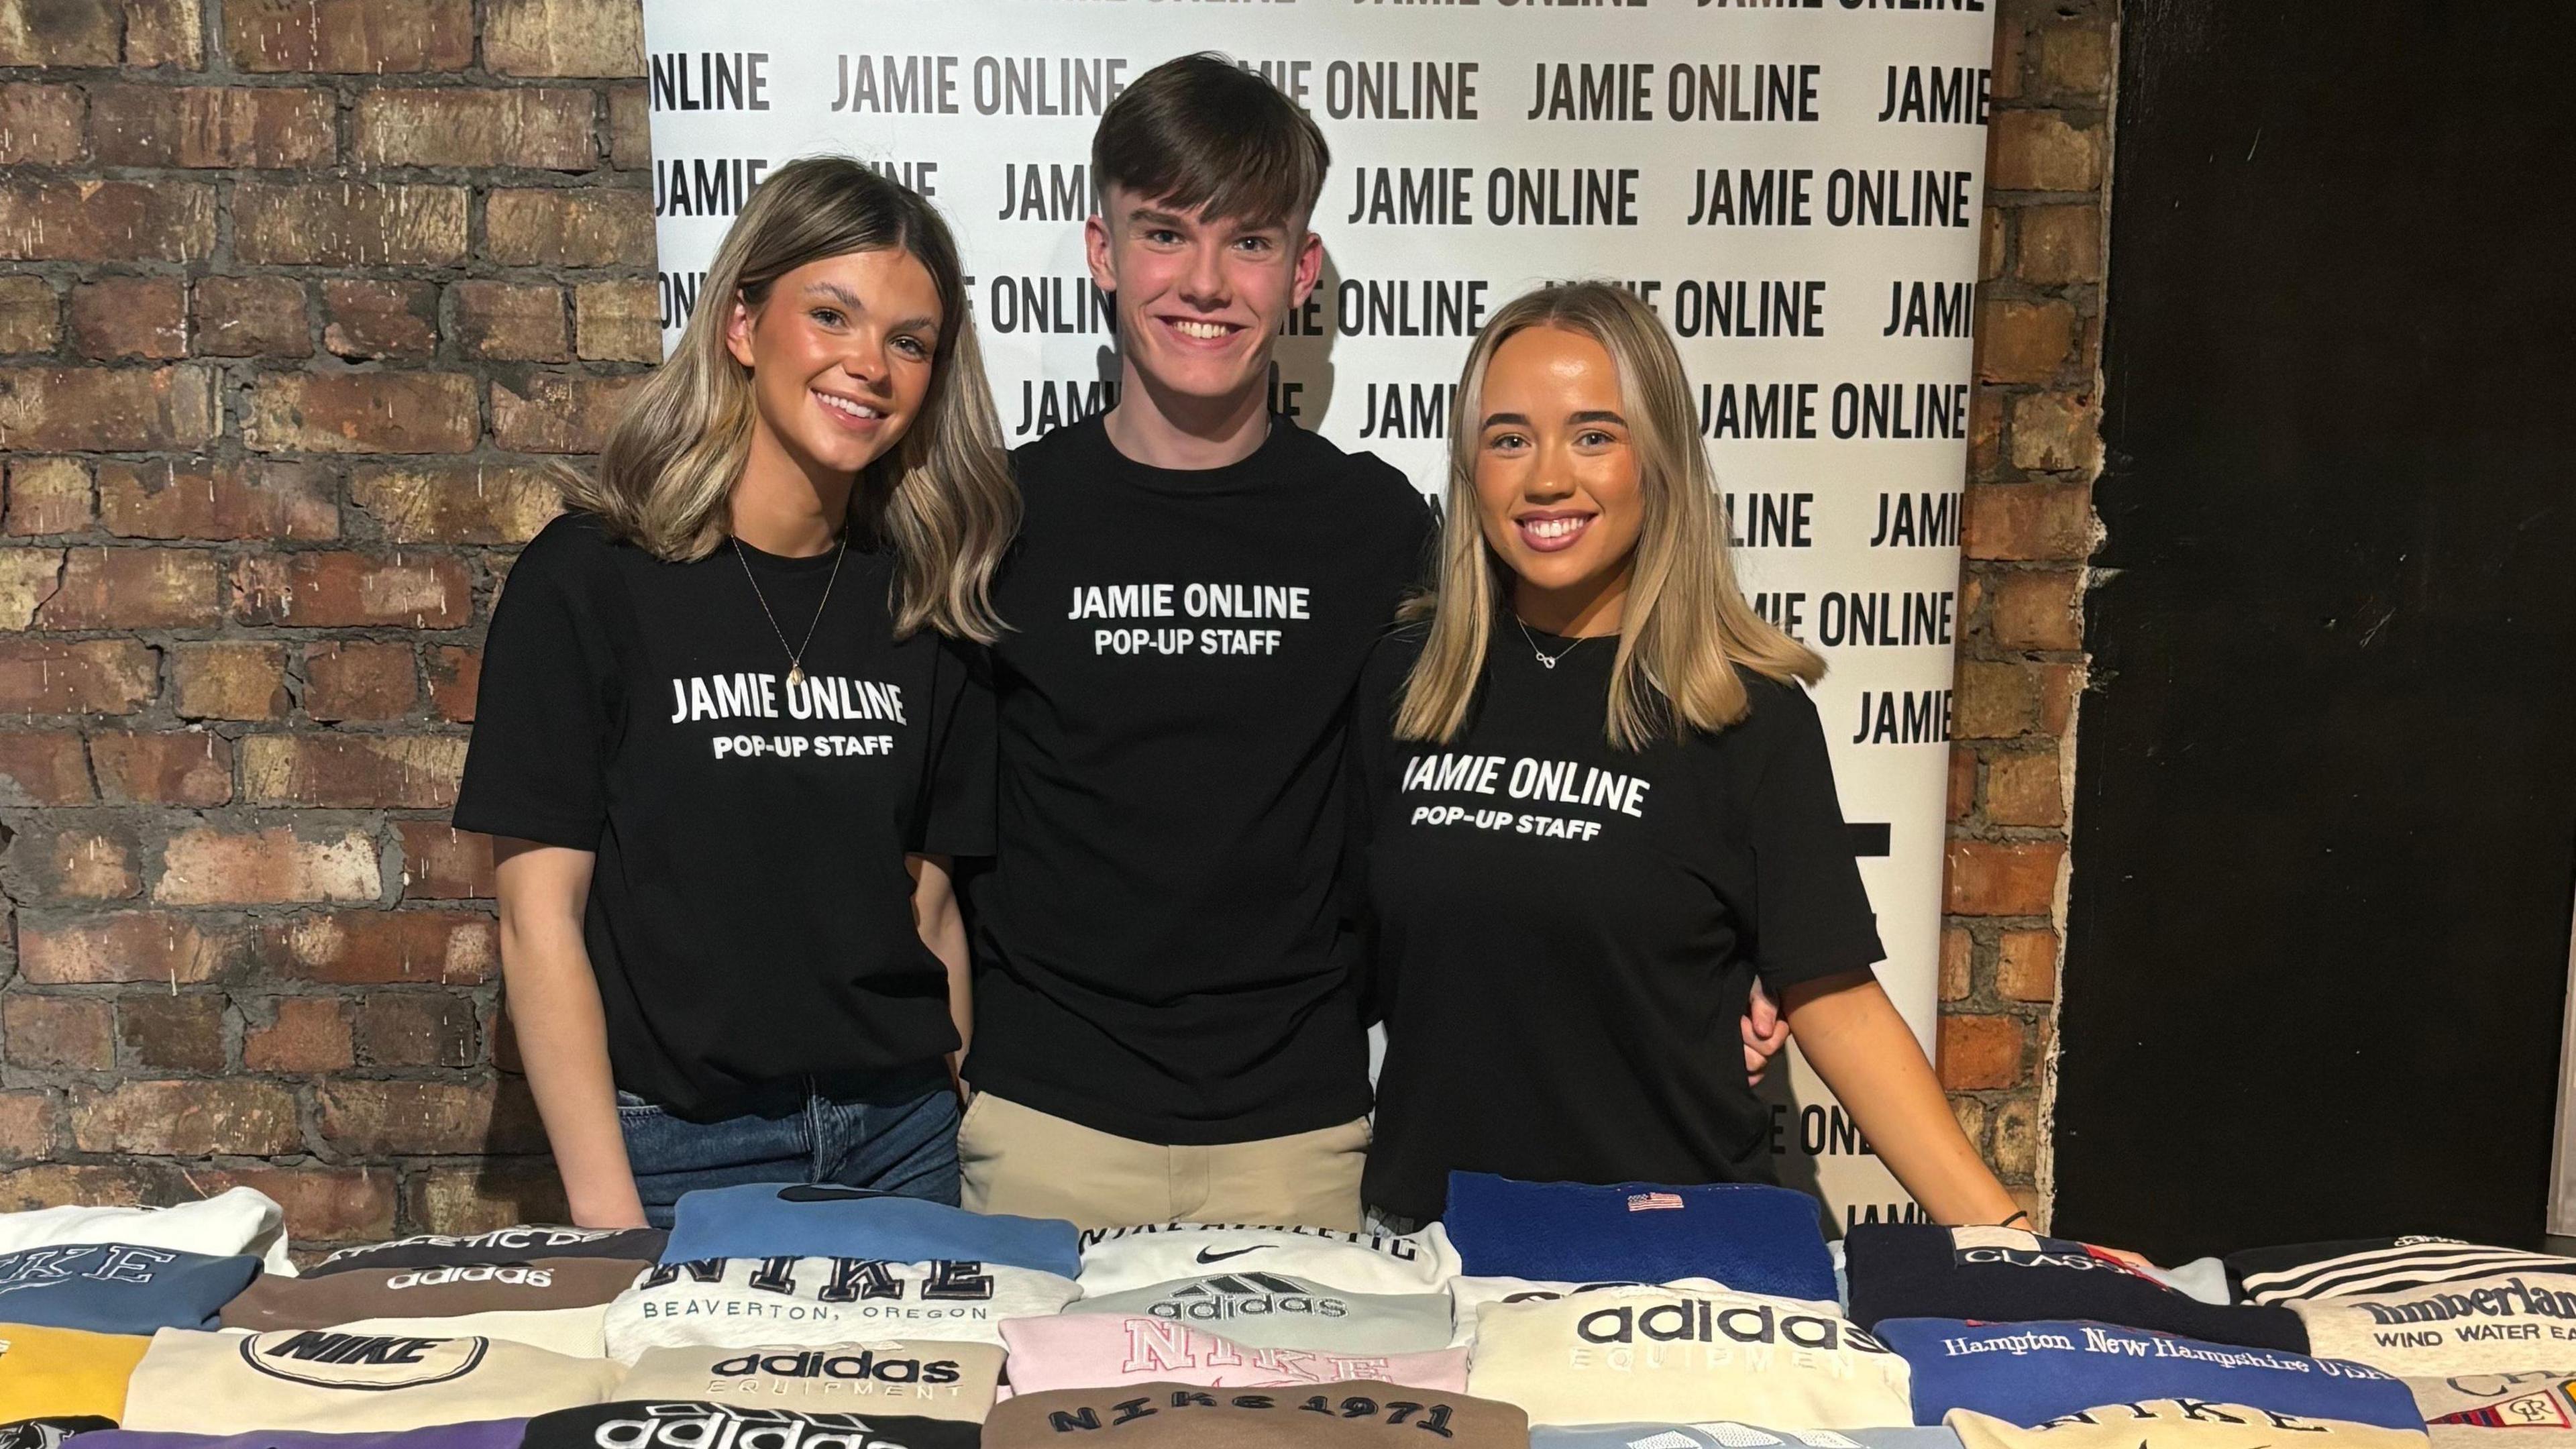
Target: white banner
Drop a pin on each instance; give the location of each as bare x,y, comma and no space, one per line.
1795,185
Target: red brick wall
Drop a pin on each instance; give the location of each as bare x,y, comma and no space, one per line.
295,296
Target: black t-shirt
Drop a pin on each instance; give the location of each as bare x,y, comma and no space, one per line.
1566,933
1162,945
750,914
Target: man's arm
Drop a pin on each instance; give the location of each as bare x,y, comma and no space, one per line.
562,1031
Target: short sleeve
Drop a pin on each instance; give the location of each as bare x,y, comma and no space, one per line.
537,765
1811,914
957,817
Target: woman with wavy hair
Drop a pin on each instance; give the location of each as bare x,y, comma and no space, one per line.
731,731
1600,811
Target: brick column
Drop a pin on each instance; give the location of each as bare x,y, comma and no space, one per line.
2033,454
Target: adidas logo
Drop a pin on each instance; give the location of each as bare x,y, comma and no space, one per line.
826,1364
513,1275
1230,1296
697,1426
1689,1321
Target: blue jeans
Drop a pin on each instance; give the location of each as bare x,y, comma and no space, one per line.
897,1134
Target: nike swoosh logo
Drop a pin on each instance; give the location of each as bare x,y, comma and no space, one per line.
1210,1255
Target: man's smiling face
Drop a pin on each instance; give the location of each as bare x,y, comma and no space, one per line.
1200,298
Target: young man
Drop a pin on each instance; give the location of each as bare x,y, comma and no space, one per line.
1167,1017
1168,1023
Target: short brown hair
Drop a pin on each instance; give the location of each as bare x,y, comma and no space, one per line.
1201,133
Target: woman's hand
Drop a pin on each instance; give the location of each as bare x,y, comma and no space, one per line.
1765,1033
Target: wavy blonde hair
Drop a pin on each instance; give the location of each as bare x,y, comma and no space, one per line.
1686,627
942,497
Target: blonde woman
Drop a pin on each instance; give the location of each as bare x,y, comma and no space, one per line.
1601,811
730,734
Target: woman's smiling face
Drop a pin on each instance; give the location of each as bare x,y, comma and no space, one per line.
1557,484
841,353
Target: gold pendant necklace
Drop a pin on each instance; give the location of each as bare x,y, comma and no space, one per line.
796,655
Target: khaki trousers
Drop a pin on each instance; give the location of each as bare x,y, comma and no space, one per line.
1016,1159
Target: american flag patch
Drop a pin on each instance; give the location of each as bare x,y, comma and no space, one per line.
1640,1202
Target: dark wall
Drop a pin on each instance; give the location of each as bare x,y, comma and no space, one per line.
2325,822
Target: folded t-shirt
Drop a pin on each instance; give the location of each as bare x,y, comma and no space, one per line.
883,1376
45,1372
318,1378
1117,1260
1752,1237
120,1287
1082,1351
657,1424
2505,1324
2177,1424
2540,1407
1725,1434
1683,1355
47,1433
324,1299
1469,1296
2374,1265
1357,1414
2029,1373
235,1221
522,1244
478,1434
809,1220
742,1302
1273,1310
2006,1275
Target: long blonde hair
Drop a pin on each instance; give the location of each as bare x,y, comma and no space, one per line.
1685,628
942,496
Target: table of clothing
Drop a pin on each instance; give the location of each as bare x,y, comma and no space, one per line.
1533,1315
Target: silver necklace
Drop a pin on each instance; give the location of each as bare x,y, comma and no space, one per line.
1543,656
795,656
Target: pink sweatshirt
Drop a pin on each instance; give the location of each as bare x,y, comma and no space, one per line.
1101,1350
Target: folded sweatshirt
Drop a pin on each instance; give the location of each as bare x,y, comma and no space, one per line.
48,1372
1683,1355
522,1244
1079,1351
2177,1424
2466,1411
2361,1266
662,1424
2006,1275
741,1302
1117,1260
318,1378
1752,1237
764,1220
1470,1296
2030,1373
120,1287
1273,1310
233,1222
323,1299
477,1434
882,1376
1726,1434
2509,1323
1355,1414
